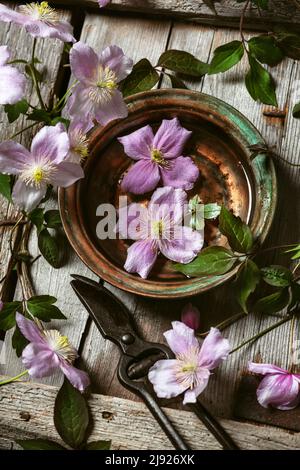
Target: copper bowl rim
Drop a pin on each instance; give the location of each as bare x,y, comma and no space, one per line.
69,203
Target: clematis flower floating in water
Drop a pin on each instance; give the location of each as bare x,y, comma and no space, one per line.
96,96
190,316
77,133
39,19
279,388
49,350
158,228
12,82
45,164
189,372
159,158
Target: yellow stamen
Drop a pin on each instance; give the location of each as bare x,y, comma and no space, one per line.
157,157
40,11
157,228
60,345
38,175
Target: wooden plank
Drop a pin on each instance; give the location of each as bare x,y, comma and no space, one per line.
228,11
21,43
129,425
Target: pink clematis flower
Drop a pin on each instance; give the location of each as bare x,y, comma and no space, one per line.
45,164
96,96
103,3
190,316
158,228
189,372
39,20
49,350
279,388
77,133
159,158
12,82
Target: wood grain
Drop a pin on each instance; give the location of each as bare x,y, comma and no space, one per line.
129,425
228,11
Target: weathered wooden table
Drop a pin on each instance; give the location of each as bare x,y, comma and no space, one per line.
126,421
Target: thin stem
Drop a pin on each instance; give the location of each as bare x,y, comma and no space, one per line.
291,346
262,333
224,324
9,222
22,130
295,165
63,98
34,77
242,23
13,379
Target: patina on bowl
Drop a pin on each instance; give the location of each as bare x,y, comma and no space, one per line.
219,146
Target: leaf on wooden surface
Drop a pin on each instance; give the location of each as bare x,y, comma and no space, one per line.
260,83
142,78
277,276
39,444
296,111
41,306
238,233
52,218
5,186
226,56
247,280
37,218
273,303
71,416
8,314
176,82
13,111
98,445
50,248
183,62
265,50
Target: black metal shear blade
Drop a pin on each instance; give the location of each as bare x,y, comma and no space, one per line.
114,323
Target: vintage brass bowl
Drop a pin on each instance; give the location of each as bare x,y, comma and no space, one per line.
220,147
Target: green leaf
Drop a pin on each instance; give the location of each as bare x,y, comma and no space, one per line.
5,186
296,111
13,111
18,341
212,211
98,445
61,119
248,278
183,62
8,315
176,82
260,84
273,303
49,246
142,78
296,252
52,218
214,260
289,42
39,444
40,115
37,218
265,50
43,309
71,417
38,74
277,276
226,56
238,233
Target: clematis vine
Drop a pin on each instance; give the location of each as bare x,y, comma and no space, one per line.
48,351
77,133
45,164
12,82
279,388
190,316
158,229
39,20
158,158
96,96
189,372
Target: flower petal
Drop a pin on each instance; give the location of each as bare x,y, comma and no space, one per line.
40,29
141,257
184,247
4,55
181,338
129,221
39,360
113,109
51,142
67,174
168,203
182,173
27,197
163,379
141,178
114,58
190,316
214,350
12,85
79,104
103,3
190,396
171,138
78,378
84,63
7,15
264,369
138,144
29,329
13,157
279,390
